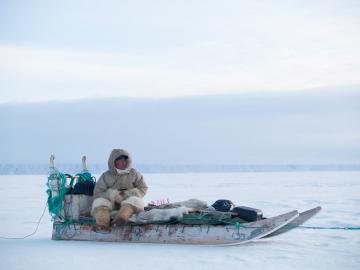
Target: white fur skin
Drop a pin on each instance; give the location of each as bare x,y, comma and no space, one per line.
112,194
160,214
133,192
115,195
195,204
100,202
137,202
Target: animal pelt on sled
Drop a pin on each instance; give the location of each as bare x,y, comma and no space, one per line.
167,212
194,204
160,215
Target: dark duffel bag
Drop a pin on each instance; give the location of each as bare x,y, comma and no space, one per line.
222,205
248,213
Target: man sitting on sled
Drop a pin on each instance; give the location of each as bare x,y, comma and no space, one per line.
119,190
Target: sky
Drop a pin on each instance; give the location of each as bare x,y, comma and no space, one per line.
64,50
179,82
305,127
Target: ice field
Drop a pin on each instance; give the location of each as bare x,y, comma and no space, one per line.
23,198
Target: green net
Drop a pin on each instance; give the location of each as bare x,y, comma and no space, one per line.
85,176
202,218
210,218
56,190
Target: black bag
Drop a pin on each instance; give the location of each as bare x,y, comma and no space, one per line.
85,184
222,205
248,213
84,187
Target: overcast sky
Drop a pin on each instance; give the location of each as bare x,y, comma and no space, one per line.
215,82
307,127
51,50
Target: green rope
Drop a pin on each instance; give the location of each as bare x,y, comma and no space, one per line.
85,176
57,188
329,228
208,218
56,191
80,222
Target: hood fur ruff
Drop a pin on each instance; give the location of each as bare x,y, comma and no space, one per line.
160,215
115,153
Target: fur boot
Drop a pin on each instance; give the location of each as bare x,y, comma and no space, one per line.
122,217
102,217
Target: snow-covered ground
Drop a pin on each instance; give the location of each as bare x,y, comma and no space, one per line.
23,198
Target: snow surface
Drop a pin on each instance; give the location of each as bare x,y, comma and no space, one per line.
22,200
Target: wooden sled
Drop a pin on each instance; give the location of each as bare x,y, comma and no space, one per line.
76,206
176,233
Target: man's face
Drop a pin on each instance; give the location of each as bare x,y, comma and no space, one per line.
120,164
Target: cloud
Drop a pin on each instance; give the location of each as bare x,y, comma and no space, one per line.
165,74
229,48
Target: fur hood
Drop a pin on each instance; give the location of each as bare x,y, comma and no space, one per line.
115,153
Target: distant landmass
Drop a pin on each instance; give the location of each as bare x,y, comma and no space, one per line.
19,169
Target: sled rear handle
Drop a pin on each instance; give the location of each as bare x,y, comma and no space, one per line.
84,163
52,158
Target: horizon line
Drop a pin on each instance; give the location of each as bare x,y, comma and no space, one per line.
96,168
249,92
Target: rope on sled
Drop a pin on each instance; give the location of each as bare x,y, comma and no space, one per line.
56,191
210,218
26,236
57,182
58,188
84,177
329,228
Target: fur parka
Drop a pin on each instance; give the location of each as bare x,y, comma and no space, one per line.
129,183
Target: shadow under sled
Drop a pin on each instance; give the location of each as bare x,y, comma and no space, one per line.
176,233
